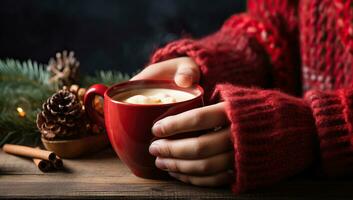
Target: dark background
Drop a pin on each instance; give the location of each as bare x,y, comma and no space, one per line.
105,34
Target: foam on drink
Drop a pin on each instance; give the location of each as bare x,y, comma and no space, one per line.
153,96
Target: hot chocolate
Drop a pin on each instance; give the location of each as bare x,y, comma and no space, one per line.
129,125
153,96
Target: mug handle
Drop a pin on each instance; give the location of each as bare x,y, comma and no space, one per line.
97,89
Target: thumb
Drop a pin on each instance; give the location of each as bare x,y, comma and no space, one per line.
186,75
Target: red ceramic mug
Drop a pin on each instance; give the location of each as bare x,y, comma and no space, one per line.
129,125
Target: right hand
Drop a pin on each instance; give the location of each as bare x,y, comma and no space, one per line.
184,71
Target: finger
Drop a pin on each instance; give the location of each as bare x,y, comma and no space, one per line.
211,165
197,119
162,71
193,148
187,74
215,180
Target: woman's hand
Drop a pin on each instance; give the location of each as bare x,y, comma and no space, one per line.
205,160
183,70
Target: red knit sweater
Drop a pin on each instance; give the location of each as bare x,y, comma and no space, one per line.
290,108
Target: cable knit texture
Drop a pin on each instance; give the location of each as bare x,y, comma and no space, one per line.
298,116
273,135
334,118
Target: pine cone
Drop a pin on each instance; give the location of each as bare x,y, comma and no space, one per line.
77,90
64,69
62,117
80,93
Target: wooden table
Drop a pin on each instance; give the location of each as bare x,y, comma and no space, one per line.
103,175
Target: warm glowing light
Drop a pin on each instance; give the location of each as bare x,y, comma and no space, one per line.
21,112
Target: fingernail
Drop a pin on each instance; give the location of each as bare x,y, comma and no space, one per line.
157,129
161,164
172,174
154,149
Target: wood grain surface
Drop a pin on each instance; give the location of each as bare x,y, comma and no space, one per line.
103,175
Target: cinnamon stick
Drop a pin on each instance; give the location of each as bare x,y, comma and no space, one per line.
29,152
43,165
58,163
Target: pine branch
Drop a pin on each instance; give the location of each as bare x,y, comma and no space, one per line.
26,85
105,77
19,130
27,72
22,85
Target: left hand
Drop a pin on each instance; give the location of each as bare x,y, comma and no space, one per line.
205,160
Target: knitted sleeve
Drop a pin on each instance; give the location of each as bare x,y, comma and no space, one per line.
333,113
276,136
233,55
259,48
273,135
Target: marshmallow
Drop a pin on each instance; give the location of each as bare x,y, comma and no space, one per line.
155,99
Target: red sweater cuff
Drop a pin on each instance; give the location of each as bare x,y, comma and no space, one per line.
333,116
273,135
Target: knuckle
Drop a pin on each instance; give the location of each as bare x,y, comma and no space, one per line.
173,166
167,125
188,63
198,118
204,167
199,147
165,149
